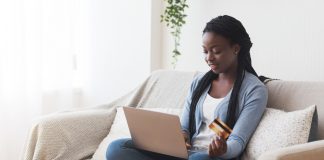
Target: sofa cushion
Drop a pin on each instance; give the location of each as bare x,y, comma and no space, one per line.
119,129
296,95
279,129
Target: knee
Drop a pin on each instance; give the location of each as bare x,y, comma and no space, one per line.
115,148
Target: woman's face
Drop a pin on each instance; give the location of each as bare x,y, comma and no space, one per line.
219,54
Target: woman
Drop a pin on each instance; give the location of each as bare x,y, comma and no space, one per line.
230,90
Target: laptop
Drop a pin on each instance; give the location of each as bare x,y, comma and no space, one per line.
156,132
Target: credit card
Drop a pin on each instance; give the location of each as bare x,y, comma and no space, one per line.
219,126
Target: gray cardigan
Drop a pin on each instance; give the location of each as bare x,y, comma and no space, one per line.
252,102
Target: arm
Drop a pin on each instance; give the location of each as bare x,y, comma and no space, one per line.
184,120
249,118
68,135
310,151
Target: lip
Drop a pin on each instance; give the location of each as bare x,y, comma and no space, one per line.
213,66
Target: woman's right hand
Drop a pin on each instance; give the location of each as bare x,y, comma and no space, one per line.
186,137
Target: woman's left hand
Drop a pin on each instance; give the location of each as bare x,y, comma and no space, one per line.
217,147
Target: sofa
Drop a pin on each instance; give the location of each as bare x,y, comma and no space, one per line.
77,134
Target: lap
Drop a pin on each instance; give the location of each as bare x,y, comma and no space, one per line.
201,156
126,150
125,147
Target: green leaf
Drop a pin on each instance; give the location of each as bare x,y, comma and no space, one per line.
174,18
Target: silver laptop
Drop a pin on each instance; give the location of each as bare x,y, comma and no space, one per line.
156,132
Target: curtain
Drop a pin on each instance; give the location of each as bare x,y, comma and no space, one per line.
62,54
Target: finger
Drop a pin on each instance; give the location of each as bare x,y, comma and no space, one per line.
222,134
224,146
221,140
219,137
210,149
217,144
188,146
221,144
214,147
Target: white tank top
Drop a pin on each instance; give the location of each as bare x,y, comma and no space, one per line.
205,136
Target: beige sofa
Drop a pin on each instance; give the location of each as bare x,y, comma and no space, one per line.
77,134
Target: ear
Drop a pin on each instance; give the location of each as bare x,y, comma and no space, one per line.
237,48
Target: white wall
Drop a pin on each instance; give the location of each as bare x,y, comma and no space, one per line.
287,36
116,43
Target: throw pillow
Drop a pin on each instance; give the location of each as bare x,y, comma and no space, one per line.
279,129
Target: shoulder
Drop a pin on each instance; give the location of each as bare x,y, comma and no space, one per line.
252,84
197,78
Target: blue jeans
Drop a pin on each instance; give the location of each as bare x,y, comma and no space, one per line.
124,149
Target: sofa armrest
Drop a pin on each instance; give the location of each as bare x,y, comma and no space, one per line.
310,151
68,135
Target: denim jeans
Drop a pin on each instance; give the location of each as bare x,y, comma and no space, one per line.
124,149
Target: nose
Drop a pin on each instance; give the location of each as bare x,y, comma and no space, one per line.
209,56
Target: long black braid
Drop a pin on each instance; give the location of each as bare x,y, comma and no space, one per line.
232,29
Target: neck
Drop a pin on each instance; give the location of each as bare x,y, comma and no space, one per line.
228,76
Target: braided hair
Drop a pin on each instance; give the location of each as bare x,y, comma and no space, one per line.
232,29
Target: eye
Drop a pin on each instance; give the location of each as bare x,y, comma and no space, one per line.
216,51
205,52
